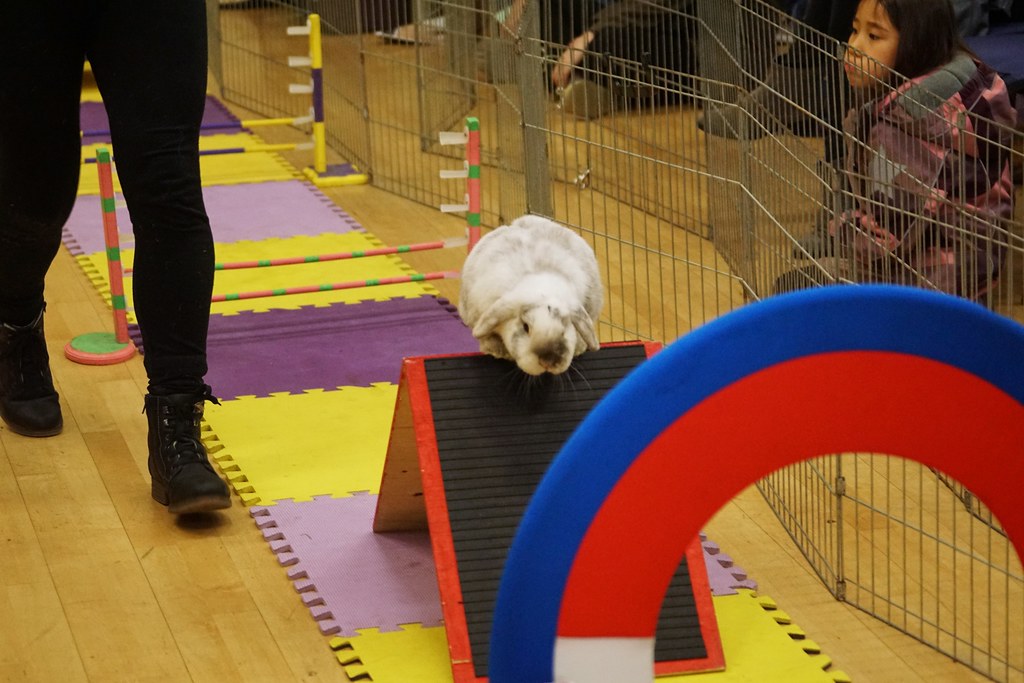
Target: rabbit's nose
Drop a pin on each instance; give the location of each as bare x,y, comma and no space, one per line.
552,356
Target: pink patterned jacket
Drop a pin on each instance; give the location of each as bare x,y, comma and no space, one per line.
930,186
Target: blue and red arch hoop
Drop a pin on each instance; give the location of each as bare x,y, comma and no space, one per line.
880,369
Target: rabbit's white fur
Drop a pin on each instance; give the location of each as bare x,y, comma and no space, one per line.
531,292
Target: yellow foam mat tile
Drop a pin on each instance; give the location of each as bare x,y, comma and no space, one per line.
273,448
283,277
756,650
215,169
411,655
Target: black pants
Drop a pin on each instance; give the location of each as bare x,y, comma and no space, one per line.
149,60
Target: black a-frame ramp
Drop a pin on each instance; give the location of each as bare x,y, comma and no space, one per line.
471,438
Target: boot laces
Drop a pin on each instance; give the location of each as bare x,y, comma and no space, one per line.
181,430
27,362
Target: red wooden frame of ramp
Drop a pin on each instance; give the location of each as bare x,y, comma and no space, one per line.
412,496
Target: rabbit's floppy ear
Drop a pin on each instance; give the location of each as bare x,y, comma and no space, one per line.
585,328
497,313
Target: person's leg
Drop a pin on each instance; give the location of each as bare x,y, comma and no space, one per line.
41,60
151,67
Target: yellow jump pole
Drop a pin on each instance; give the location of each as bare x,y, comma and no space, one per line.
285,121
316,55
320,172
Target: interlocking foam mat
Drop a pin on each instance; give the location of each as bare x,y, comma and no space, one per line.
249,212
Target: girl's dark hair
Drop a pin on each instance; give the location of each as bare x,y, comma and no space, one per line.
929,36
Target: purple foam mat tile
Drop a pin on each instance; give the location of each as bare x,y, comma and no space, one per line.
448,306
248,211
349,577
255,211
96,127
328,347
724,577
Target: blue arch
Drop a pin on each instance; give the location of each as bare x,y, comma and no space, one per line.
861,318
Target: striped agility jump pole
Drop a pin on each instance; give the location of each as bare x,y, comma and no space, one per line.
356,284
340,256
248,149
104,348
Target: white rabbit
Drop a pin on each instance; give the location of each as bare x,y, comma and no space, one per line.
531,292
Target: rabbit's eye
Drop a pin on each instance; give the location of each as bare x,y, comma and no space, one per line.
526,327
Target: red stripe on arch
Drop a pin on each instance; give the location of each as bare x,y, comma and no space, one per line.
856,401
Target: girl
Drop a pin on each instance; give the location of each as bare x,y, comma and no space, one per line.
928,153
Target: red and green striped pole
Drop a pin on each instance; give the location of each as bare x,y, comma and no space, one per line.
104,348
363,253
473,180
375,282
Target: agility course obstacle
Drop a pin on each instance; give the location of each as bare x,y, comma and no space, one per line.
320,173
355,284
881,369
469,443
470,137
279,147
339,256
371,250
105,348
319,258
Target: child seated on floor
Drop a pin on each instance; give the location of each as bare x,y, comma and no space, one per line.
927,163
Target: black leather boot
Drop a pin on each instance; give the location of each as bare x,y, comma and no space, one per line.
28,402
183,478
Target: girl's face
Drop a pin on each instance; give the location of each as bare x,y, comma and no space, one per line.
873,38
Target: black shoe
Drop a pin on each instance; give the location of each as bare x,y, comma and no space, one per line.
28,402
183,478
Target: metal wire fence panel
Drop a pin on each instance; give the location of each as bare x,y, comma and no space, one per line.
919,559
703,148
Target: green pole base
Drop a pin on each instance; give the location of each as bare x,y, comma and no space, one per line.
98,348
